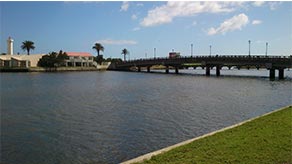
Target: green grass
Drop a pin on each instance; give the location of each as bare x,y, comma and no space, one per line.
266,140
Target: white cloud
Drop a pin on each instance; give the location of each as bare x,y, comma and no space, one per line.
258,3
136,29
234,23
125,6
274,5
166,13
194,23
140,4
134,17
256,22
116,42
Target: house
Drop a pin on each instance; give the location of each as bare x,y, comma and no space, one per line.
79,59
20,60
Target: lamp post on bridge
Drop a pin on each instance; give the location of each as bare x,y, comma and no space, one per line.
266,48
249,47
192,49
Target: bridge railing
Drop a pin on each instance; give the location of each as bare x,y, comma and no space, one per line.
233,57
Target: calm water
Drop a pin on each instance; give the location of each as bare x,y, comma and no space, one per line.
109,117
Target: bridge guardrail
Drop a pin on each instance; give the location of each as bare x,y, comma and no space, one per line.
214,57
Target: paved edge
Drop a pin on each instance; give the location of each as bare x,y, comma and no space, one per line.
149,155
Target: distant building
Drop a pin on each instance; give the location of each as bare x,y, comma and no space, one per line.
79,59
76,59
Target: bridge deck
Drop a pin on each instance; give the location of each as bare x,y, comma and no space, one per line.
268,62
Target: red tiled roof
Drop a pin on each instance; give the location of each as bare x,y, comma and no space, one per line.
85,54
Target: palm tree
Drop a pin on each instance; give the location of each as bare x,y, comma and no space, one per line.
27,45
125,52
98,47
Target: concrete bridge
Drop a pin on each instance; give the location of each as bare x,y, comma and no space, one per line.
271,63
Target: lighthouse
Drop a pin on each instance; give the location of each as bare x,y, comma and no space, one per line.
9,46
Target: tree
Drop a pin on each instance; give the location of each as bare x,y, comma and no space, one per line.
125,52
98,47
61,58
99,59
113,60
28,45
53,59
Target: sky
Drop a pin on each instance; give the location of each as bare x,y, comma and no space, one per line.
142,26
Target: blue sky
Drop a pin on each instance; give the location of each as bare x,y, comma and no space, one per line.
142,26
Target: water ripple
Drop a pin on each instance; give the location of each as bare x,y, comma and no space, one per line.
109,117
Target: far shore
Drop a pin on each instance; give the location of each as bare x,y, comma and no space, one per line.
53,69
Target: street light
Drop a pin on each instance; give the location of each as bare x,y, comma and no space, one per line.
154,52
266,48
210,50
249,47
191,49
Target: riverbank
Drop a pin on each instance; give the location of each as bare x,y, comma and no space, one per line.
61,69
55,69
264,139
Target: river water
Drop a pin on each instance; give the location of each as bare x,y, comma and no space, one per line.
110,117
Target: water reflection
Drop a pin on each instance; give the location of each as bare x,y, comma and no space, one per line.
109,117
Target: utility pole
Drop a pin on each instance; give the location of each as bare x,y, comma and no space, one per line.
210,50
266,48
249,47
154,52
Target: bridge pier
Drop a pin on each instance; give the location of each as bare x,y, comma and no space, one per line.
139,69
148,69
281,74
207,70
218,70
167,69
272,73
176,70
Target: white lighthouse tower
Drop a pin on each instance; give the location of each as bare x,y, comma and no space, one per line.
9,46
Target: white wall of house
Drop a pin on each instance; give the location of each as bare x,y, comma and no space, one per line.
81,61
19,60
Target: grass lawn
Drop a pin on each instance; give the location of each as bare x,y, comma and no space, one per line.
266,140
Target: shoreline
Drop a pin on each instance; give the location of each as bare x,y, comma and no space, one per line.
148,156
57,69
